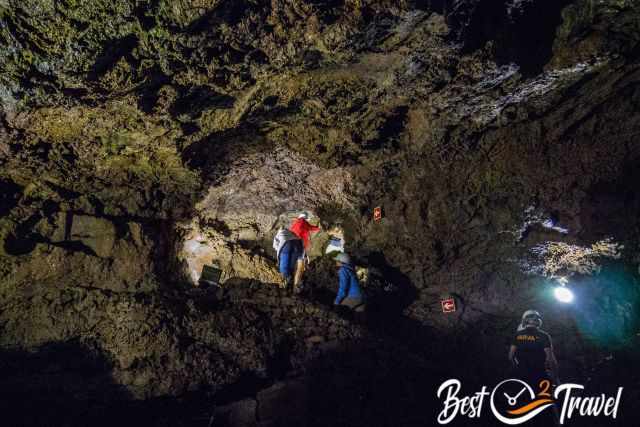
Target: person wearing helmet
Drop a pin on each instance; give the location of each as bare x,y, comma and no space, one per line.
531,351
288,249
349,292
301,228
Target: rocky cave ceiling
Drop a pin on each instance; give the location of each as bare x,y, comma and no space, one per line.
499,137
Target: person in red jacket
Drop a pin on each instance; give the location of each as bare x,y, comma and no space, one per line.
301,228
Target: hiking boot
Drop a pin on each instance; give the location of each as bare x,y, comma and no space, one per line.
299,289
287,283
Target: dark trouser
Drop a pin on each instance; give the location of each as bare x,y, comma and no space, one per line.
289,255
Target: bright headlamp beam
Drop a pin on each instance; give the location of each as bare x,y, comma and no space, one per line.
563,294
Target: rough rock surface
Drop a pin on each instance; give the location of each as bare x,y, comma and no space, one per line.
140,140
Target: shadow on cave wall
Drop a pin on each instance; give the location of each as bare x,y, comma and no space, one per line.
65,383
522,32
9,195
70,384
388,292
112,52
365,385
610,209
24,239
211,154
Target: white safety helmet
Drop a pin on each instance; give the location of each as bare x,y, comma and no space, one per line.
531,317
304,215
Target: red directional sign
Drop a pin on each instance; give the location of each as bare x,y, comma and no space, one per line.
448,305
377,214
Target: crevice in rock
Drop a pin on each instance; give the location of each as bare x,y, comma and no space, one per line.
10,194
195,100
231,13
522,31
113,50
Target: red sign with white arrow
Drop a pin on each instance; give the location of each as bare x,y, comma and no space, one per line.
448,305
377,214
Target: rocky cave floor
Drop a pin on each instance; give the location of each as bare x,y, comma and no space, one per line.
142,140
282,360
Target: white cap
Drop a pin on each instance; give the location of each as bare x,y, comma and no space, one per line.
304,215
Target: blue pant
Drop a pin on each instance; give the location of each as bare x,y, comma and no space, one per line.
290,253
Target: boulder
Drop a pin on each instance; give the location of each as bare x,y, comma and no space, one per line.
97,233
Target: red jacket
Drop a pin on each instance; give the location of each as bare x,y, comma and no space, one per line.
303,230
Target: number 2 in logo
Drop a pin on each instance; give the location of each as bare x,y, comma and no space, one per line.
544,385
